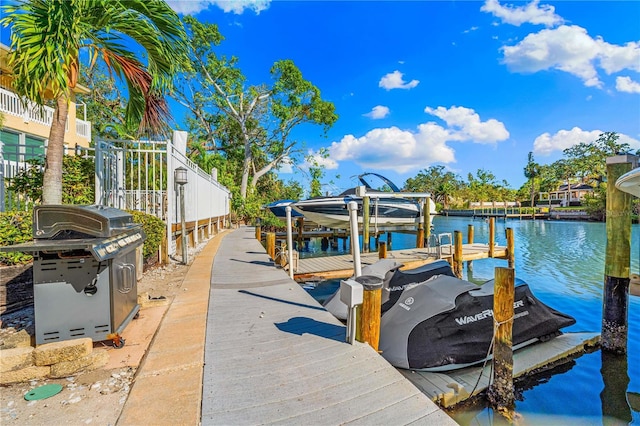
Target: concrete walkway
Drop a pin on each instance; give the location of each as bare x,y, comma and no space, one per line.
243,344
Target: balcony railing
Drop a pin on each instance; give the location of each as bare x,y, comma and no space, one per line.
11,104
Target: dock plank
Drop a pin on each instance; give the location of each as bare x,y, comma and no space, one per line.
273,355
451,388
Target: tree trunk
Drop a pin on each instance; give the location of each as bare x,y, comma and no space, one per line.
246,167
52,180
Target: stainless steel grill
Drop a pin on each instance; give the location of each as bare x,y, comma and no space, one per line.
84,272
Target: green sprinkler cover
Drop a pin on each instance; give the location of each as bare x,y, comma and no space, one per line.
43,392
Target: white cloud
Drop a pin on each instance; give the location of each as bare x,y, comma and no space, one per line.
394,80
572,50
319,160
465,125
286,165
378,112
517,15
546,143
192,7
625,84
404,150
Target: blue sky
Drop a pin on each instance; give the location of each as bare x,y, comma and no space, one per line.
464,84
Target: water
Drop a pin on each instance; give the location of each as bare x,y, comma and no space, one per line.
563,263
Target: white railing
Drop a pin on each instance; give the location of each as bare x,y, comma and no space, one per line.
11,104
83,128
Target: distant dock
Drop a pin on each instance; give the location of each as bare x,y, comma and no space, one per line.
336,267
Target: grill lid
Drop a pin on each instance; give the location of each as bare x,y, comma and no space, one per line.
93,221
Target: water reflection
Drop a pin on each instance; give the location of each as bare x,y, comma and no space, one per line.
615,407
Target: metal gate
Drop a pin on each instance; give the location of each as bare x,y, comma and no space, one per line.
138,175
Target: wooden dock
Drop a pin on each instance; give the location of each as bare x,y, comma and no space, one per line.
451,388
273,355
341,266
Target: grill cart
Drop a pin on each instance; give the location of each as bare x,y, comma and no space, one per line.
84,272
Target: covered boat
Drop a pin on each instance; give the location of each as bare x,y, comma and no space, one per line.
446,323
386,208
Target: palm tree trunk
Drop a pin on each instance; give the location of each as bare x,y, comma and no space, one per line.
52,180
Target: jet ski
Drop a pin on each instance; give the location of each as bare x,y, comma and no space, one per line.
393,282
433,321
446,323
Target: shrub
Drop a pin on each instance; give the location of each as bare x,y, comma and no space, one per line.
15,227
153,227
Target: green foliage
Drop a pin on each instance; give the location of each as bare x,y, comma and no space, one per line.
249,125
77,180
15,228
153,227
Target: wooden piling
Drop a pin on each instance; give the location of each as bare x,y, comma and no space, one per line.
511,255
617,258
501,390
427,219
457,254
300,223
258,233
370,313
492,235
366,216
420,236
382,250
271,245
470,236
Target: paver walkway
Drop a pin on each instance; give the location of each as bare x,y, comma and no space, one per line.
273,355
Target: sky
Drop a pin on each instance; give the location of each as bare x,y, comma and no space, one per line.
464,84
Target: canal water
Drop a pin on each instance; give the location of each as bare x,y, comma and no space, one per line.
563,263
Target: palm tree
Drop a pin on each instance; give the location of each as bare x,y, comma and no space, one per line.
47,38
531,172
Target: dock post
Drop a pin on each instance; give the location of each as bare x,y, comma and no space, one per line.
258,232
457,254
287,209
420,236
271,245
389,241
427,219
617,258
492,235
355,246
382,250
370,312
470,231
300,223
501,390
365,224
511,254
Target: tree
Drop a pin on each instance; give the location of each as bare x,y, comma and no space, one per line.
531,172
47,38
257,119
589,160
442,185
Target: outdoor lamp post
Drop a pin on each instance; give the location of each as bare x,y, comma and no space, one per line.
180,178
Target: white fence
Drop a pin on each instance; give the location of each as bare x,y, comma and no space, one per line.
139,175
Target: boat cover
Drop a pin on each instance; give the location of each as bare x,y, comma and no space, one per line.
381,269
447,323
393,282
